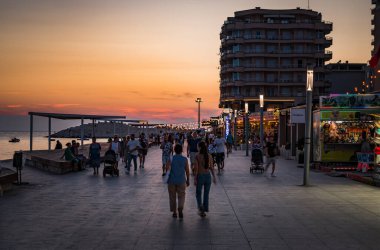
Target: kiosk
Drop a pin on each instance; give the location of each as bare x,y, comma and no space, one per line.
340,126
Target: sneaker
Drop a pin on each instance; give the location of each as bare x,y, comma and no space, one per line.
163,174
273,175
174,215
201,213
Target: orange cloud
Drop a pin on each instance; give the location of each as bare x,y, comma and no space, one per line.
12,106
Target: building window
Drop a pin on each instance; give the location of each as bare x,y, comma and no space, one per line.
235,62
235,48
270,78
236,76
269,91
285,91
299,63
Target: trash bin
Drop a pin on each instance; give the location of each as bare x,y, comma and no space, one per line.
17,160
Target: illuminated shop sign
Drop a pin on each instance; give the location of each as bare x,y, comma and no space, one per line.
350,101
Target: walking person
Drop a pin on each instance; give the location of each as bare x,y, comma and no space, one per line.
133,147
167,152
202,168
126,152
219,143
192,148
94,155
271,151
179,179
123,145
115,146
143,150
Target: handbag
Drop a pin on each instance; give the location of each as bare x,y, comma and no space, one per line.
166,177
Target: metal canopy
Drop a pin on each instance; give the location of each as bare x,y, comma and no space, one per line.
76,116
68,117
145,125
125,120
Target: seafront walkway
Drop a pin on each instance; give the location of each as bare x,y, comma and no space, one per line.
247,211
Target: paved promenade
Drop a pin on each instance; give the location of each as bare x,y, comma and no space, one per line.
247,211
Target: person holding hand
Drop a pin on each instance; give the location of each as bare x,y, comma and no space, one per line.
203,169
179,179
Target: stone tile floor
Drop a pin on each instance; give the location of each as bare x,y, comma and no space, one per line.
247,211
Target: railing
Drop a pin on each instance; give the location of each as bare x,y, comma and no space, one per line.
271,21
276,38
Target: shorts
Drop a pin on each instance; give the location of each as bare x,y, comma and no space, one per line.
143,151
192,157
219,157
166,159
271,160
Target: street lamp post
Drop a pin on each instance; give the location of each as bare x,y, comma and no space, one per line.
199,100
246,128
261,120
309,98
235,127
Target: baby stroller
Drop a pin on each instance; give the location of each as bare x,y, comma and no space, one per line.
110,164
256,160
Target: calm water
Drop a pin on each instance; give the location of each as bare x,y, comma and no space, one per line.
40,141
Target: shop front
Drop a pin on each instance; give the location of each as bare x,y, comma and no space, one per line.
341,125
270,126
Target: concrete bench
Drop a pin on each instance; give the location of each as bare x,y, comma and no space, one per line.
7,177
54,166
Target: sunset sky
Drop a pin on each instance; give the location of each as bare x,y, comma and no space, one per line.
144,59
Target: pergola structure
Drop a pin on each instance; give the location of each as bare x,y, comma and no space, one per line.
138,122
81,117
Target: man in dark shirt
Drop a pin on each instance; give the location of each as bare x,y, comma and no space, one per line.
271,150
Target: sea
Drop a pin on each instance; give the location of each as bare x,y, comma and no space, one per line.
40,142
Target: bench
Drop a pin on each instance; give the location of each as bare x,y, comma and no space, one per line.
54,166
7,177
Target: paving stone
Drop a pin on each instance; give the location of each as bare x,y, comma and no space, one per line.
247,211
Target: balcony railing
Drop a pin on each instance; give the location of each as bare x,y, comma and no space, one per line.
273,21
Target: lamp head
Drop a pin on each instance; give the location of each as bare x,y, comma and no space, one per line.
309,80
261,101
246,107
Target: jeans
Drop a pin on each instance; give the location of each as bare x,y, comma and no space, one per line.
204,180
130,158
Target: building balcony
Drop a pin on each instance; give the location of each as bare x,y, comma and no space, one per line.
274,54
254,98
277,25
325,25
327,41
262,82
263,39
327,55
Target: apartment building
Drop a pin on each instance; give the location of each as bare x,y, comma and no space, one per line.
352,78
376,39
267,52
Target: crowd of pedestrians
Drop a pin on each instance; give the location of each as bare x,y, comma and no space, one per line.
203,151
